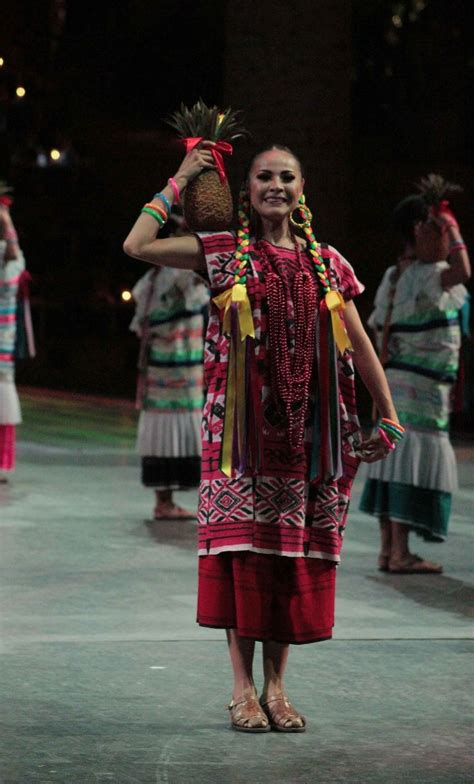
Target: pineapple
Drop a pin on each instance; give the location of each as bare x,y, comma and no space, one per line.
434,188
207,201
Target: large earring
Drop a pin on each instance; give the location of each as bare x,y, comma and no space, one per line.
305,214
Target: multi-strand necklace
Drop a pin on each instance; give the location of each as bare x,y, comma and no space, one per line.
290,367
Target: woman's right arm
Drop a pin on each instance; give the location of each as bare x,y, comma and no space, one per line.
181,252
8,233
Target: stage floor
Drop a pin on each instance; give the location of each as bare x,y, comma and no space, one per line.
106,678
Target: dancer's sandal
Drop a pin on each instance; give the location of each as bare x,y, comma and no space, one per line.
246,715
414,565
282,716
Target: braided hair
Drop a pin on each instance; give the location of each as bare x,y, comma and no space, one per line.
245,225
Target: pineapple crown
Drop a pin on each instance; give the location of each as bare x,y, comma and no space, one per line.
209,122
434,188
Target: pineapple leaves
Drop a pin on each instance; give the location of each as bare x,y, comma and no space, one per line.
207,121
434,188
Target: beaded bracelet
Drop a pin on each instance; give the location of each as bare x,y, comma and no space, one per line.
174,186
386,439
156,215
165,201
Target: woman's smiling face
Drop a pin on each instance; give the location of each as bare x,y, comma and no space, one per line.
275,184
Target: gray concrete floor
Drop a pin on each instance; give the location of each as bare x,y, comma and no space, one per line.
107,679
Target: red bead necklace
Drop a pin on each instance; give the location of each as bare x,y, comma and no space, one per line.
290,371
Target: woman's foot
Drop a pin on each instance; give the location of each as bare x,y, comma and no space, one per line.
413,564
246,715
282,716
167,510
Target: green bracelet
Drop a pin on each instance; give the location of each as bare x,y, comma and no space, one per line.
396,434
159,218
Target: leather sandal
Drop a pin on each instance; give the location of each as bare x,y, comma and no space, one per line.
414,565
282,716
246,715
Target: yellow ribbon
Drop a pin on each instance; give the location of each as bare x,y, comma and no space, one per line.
237,294
335,303
235,392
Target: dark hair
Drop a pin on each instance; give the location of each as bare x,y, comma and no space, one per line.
269,148
407,214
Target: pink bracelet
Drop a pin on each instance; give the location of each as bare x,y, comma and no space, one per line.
386,439
174,186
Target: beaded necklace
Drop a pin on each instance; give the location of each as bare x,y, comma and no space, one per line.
290,370
291,375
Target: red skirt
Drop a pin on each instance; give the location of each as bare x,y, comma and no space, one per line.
267,597
7,447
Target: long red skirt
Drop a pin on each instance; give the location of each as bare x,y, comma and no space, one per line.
267,597
7,447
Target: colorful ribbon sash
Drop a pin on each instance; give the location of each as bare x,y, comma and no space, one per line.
335,304
238,323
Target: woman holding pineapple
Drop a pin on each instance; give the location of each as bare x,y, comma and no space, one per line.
280,430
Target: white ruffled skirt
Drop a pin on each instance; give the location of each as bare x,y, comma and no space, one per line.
10,411
170,434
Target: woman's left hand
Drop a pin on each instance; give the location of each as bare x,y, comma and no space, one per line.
373,449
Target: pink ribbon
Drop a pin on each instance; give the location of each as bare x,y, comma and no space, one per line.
219,147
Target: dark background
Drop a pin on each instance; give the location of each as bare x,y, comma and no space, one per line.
371,94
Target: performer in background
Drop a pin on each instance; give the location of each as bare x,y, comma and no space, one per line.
281,440
169,321
16,334
417,327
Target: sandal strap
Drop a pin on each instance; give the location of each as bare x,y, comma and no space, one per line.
282,717
247,711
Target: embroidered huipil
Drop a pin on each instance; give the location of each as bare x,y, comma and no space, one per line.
273,507
10,274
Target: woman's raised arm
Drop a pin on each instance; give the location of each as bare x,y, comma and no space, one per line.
182,252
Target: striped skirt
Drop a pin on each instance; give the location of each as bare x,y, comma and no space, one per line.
267,597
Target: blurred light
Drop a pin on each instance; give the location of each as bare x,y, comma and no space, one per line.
41,160
21,92
388,70
420,5
126,295
397,20
55,155
2,62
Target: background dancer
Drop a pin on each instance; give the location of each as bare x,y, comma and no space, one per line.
280,429
169,320
417,327
16,337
